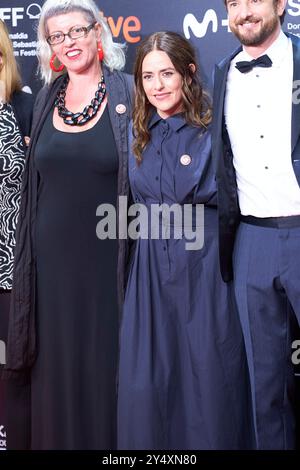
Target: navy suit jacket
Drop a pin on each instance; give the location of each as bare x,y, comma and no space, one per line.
229,212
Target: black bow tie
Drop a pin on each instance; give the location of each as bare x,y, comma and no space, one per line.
245,66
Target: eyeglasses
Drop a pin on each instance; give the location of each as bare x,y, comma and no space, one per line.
74,33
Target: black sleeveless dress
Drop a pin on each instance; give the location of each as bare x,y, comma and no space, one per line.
74,378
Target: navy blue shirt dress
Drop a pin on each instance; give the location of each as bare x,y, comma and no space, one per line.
182,371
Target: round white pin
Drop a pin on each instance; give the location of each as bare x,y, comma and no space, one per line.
121,108
185,160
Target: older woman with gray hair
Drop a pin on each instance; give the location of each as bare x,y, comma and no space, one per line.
63,331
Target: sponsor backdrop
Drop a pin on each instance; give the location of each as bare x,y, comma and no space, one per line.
203,22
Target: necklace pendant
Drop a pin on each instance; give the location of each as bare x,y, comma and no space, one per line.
89,111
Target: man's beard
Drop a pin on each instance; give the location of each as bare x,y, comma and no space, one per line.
259,37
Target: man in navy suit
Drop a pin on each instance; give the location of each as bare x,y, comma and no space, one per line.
256,144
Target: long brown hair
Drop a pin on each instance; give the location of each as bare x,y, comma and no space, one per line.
196,104
9,74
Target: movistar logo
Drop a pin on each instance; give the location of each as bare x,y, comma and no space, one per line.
200,28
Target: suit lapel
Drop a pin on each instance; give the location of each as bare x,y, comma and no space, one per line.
220,89
296,77
220,80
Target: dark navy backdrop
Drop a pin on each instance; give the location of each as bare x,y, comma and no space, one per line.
204,22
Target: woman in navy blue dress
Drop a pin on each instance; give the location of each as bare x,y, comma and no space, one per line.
182,370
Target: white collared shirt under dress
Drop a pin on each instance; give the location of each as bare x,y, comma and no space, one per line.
11,169
258,113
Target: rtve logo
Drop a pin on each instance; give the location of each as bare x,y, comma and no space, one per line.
128,26
211,21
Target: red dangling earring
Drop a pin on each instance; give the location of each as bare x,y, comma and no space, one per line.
100,51
52,65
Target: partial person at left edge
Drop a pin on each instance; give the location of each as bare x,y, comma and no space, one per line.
15,123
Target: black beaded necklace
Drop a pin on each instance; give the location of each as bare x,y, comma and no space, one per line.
90,111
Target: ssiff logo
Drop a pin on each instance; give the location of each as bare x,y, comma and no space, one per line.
16,14
129,26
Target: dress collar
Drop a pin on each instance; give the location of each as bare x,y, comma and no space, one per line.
176,122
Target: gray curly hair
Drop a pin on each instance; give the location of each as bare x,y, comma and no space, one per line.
114,56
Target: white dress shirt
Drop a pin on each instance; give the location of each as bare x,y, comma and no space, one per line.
258,113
